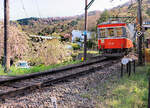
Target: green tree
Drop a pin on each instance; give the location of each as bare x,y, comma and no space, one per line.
75,46
104,17
77,39
148,11
90,43
47,31
73,23
56,34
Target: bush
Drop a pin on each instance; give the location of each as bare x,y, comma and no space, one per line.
148,11
90,44
48,53
75,46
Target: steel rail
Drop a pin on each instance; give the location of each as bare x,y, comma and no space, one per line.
52,71
51,81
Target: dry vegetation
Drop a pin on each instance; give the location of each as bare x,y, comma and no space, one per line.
49,52
18,42
130,9
22,48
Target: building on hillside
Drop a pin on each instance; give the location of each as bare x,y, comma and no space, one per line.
79,34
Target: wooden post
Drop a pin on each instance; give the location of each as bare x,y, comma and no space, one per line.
121,70
6,35
129,68
134,66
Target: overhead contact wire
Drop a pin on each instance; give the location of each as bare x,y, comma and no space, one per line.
23,7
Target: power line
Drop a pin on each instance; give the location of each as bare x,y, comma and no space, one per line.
90,4
38,9
23,7
1,14
1,11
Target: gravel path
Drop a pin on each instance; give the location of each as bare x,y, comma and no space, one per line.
81,92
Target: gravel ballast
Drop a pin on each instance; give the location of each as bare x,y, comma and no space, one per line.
80,92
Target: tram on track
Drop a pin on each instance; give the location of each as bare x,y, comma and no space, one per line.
114,38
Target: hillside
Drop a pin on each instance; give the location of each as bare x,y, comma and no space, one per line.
59,25
23,48
130,9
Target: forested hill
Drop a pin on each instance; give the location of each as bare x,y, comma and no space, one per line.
130,9
60,25
52,20
64,25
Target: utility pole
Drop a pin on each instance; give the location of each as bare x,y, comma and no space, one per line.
85,31
140,38
149,94
6,36
87,6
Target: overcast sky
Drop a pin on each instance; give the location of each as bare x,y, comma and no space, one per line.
52,8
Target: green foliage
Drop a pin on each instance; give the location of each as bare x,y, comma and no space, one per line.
148,11
75,46
74,54
2,71
63,39
73,23
17,71
77,39
48,52
90,44
56,34
104,17
27,21
35,61
47,26
89,52
88,96
47,31
94,29
130,92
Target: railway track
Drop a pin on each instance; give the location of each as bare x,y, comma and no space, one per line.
20,85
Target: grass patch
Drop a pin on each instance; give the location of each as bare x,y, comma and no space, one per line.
86,95
16,71
90,52
129,92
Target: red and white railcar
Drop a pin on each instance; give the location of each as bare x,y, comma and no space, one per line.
114,38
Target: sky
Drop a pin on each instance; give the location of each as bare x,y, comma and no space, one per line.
53,8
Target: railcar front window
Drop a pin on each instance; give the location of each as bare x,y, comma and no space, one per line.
119,31
124,31
102,32
111,32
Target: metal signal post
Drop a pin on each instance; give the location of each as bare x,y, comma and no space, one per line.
6,35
